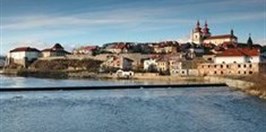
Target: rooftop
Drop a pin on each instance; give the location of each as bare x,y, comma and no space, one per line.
221,36
240,52
29,49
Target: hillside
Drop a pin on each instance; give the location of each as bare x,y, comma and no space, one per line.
89,65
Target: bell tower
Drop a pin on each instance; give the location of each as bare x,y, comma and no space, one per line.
197,35
206,31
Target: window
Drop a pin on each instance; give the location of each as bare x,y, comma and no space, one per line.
239,72
250,72
215,72
239,65
250,66
227,66
222,66
245,66
214,66
245,72
209,66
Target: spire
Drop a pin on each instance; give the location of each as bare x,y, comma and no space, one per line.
249,42
198,23
206,24
232,32
198,28
206,30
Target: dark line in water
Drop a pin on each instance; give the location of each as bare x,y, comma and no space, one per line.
111,87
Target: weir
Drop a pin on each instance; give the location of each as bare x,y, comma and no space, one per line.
111,87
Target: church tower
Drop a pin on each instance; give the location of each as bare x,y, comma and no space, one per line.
197,35
206,31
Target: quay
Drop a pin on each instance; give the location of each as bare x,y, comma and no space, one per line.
114,87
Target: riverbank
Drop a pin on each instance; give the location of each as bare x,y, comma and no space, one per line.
254,85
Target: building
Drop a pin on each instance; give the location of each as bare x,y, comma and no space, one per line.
165,47
168,62
163,65
117,62
56,50
23,56
238,55
237,61
117,48
235,69
150,64
85,50
124,74
203,36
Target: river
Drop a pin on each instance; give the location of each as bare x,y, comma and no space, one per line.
209,109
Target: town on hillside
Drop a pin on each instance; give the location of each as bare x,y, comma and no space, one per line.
205,55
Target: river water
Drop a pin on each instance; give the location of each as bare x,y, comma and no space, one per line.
212,109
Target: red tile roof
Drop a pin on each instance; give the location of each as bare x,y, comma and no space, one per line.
117,46
29,49
240,52
221,36
90,48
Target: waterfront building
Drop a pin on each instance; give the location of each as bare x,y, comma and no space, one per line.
150,64
124,74
117,62
238,55
163,64
23,56
235,61
56,50
241,69
203,36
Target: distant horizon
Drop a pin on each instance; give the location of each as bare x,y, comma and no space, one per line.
41,24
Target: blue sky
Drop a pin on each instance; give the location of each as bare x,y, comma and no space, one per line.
41,23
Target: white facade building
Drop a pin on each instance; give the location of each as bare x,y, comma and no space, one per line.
150,64
236,59
239,56
23,55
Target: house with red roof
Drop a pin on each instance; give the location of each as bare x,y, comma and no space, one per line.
117,62
238,55
56,50
23,55
234,62
117,48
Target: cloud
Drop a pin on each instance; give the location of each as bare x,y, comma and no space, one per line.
237,16
127,16
261,41
135,17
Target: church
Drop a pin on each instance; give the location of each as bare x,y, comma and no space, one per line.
203,36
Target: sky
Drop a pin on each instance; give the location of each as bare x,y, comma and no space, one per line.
73,23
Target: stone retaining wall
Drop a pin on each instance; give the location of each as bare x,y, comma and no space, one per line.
233,83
